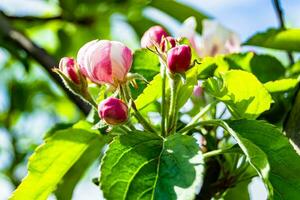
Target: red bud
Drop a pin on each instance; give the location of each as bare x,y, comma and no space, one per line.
179,59
152,37
68,67
113,111
167,42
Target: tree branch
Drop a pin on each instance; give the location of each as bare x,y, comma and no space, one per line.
40,55
86,21
279,13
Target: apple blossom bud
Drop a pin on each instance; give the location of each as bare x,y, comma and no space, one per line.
153,36
167,43
113,111
198,90
179,59
104,61
68,67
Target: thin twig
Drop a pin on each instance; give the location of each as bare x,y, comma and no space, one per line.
84,21
279,13
39,55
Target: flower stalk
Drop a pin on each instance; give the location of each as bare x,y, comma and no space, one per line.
174,80
163,100
125,92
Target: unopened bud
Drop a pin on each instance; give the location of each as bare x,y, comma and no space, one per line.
153,36
104,61
113,111
198,91
179,59
167,43
68,67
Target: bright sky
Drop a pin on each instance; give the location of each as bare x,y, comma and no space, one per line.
248,16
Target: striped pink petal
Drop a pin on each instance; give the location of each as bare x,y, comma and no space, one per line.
105,61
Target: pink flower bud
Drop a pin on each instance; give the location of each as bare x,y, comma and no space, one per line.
198,90
68,67
113,111
179,59
166,42
152,37
104,61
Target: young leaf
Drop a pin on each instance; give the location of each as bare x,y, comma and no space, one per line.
146,63
142,165
256,157
277,39
294,70
151,93
206,68
243,94
186,90
239,192
65,188
266,68
283,159
239,60
282,85
52,160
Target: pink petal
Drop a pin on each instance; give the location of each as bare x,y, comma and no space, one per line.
81,57
100,62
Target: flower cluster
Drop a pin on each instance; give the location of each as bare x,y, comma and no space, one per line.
178,57
102,62
105,62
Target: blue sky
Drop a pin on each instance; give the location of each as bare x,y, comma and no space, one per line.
248,16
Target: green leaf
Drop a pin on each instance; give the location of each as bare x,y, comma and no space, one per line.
240,60
283,159
172,8
264,67
282,85
142,165
206,68
277,39
256,157
151,93
239,192
186,90
146,63
243,94
52,160
294,70
292,125
65,188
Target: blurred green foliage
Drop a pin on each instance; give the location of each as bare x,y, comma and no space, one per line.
30,102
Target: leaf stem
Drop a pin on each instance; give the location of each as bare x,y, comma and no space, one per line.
89,99
219,152
214,122
202,112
